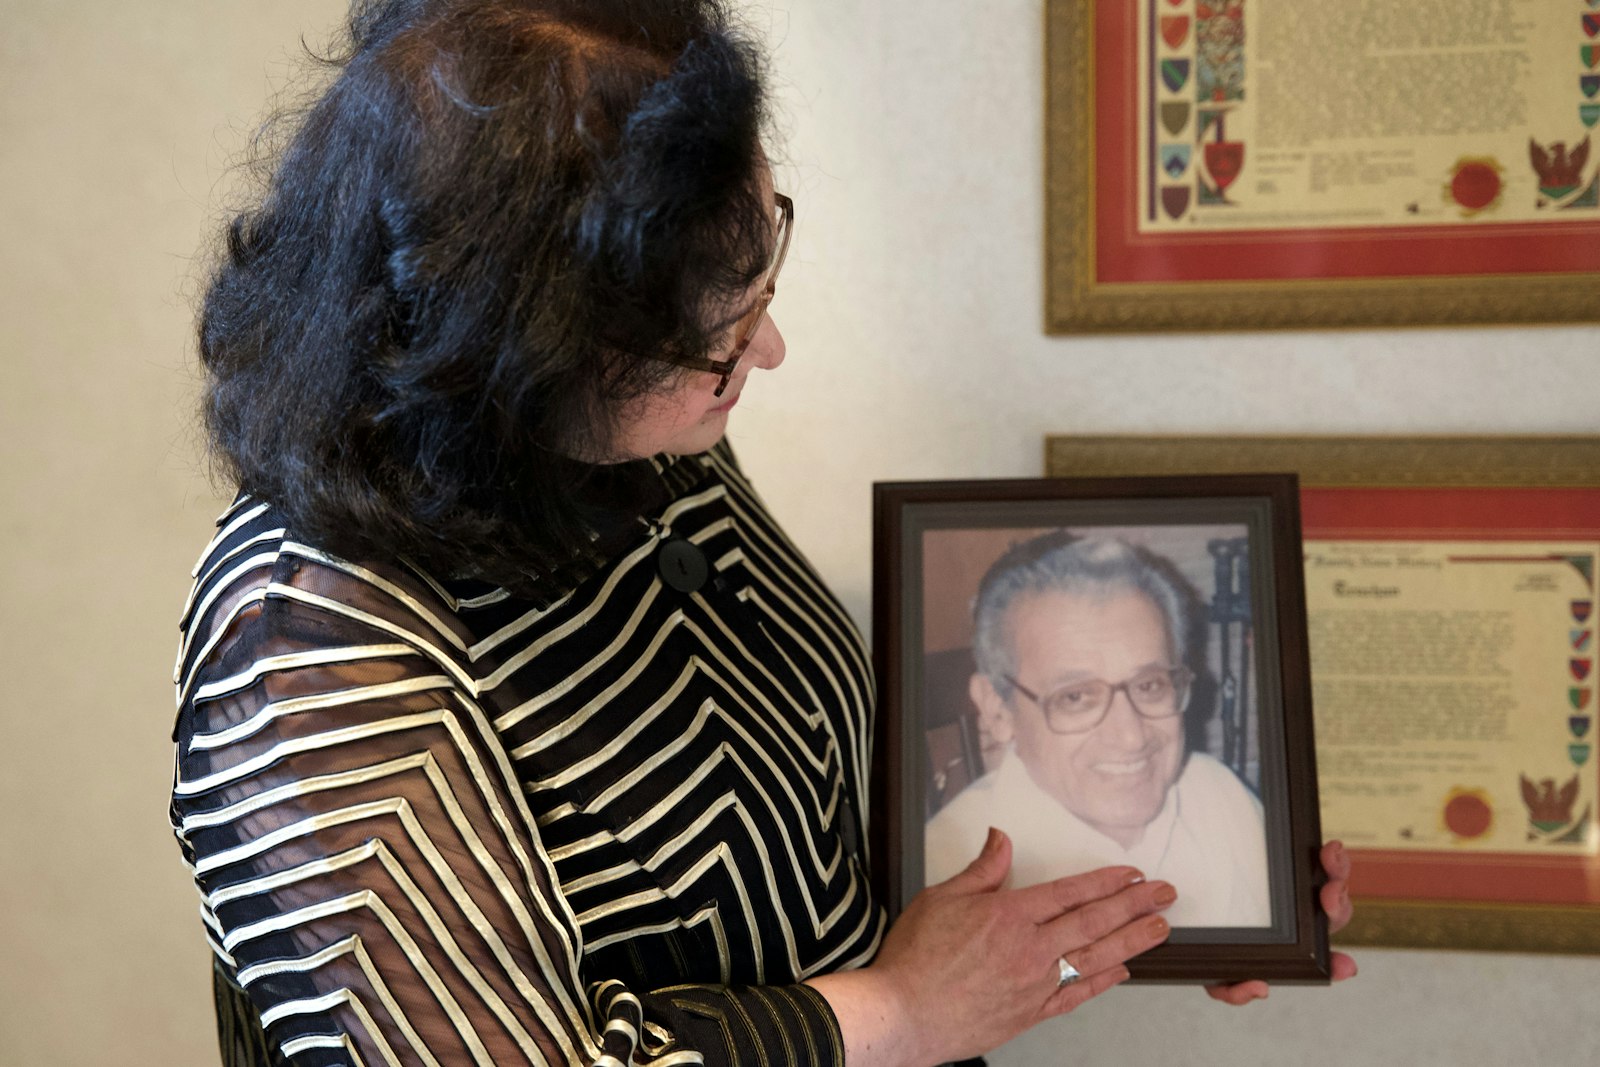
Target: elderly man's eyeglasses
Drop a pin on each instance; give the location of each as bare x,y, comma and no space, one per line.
1158,693
744,331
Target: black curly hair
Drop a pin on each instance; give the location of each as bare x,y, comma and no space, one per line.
463,252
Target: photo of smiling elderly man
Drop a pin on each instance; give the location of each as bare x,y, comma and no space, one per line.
1087,674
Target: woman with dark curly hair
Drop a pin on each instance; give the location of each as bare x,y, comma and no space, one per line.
511,728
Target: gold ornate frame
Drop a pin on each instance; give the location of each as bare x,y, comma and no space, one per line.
1077,302
1323,462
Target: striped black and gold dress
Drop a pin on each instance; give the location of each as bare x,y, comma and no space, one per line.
433,823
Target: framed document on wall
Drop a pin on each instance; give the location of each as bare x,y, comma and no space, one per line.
1228,164
1451,595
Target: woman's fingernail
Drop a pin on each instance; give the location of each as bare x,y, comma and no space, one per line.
1135,877
1166,895
1157,927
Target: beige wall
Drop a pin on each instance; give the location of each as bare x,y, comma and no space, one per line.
911,306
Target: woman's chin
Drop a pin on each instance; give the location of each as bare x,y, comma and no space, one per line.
703,435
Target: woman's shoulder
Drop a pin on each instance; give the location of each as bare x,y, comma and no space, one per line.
260,587
262,582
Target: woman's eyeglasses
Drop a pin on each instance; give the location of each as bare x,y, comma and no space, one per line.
745,329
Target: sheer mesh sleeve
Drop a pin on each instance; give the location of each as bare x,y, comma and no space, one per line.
369,871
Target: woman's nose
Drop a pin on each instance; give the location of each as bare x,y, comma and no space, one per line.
766,347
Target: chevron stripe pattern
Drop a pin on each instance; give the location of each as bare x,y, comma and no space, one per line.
433,823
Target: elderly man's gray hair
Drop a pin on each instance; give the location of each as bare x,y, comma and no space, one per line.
1060,562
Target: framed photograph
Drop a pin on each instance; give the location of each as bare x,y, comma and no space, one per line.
1228,164
1112,671
1451,592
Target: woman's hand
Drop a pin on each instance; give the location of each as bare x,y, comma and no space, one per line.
971,965
1335,898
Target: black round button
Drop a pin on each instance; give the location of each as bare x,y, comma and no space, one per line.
683,566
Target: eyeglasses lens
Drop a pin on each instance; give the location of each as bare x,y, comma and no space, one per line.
1155,695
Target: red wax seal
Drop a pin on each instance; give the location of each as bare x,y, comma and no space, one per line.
1468,815
1475,185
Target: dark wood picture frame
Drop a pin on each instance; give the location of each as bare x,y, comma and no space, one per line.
1293,946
